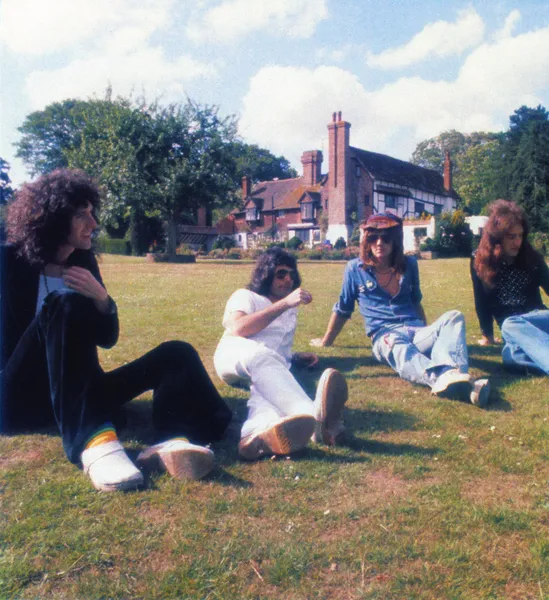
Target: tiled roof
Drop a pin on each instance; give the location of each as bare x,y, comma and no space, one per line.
283,193
399,172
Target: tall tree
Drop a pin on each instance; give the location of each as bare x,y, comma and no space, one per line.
47,136
260,164
529,177
6,190
198,166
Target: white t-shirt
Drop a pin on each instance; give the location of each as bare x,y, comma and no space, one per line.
278,335
48,285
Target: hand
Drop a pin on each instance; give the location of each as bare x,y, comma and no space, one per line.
317,343
297,297
82,281
305,359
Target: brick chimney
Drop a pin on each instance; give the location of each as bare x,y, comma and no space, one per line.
312,166
339,194
447,172
246,187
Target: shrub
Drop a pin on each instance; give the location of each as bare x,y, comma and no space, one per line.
185,249
540,241
274,245
429,245
294,243
234,254
313,256
340,244
107,245
224,243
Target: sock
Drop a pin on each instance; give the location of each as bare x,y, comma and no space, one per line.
102,436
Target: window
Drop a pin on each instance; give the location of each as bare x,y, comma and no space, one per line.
239,237
357,171
420,232
307,211
390,201
366,199
252,214
419,208
326,204
437,209
316,235
303,235
280,213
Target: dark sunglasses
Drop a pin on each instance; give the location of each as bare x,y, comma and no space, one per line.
372,238
283,273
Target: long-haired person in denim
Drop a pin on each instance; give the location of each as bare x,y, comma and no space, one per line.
256,351
507,275
385,284
55,312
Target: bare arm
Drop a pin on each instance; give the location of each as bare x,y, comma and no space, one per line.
244,325
335,325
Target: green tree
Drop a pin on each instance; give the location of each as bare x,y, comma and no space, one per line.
529,176
197,166
260,164
47,136
6,190
478,168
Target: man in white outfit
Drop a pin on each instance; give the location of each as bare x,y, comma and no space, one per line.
256,351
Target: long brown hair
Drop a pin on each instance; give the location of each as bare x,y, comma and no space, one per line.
489,257
397,259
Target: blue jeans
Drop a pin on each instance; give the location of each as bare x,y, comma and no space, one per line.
422,354
527,340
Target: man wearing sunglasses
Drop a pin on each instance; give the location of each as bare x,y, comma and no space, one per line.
385,283
256,351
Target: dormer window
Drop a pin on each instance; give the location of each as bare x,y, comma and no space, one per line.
252,214
307,211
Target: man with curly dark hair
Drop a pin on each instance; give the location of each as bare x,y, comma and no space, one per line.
55,311
256,350
507,275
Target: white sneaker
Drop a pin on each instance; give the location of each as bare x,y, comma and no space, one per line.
480,394
288,435
180,458
110,468
453,384
331,396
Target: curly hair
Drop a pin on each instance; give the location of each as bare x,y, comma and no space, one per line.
39,219
488,258
265,267
397,258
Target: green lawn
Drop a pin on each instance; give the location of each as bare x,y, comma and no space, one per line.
430,498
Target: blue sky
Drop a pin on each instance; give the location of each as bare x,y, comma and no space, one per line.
399,71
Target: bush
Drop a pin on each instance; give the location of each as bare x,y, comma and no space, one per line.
313,256
540,241
275,245
107,245
429,245
340,244
224,243
185,249
234,254
294,243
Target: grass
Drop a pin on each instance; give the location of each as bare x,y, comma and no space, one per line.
429,499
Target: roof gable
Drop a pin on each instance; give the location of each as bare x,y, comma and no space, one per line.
401,173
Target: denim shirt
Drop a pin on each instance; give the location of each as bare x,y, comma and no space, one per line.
377,306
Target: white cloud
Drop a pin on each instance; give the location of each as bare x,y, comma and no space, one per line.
38,27
146,70
287,109
233,19
512,19
439,39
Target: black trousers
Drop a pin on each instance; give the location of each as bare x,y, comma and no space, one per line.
54,376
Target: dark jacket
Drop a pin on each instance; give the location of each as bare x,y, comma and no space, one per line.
515,292
19,293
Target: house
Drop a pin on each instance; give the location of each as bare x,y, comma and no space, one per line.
358,183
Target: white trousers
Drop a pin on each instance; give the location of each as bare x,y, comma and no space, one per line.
274,392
